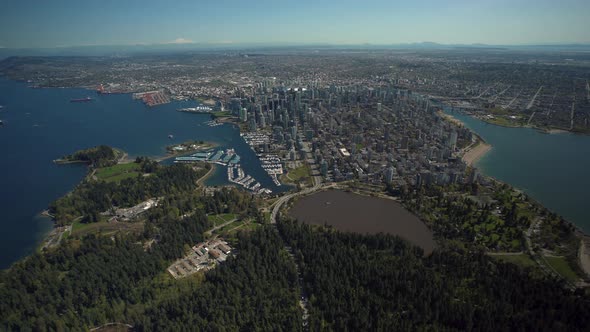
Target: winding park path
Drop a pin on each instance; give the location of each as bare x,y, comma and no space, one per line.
210,232
540,258
303,302
206,176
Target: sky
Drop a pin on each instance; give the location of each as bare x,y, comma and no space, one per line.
63,23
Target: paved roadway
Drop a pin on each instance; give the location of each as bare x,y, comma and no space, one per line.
278,204
532,102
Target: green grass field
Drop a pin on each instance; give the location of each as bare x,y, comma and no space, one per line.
505,122
218,219
118,172
560,265
523,260
106,228
301,173
226,228
77,227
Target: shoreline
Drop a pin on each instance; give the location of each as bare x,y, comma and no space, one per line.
584,255
557,131
66,162
210,173
451,119
473,155
482,148
544,130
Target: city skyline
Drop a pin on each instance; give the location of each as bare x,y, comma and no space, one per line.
65,23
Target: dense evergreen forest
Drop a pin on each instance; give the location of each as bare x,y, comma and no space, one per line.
98,280
350,282
92,197
381,283
256,290
353,282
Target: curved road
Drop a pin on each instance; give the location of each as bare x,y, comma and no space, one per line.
278,204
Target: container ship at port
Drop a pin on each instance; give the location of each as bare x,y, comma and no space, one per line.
81,100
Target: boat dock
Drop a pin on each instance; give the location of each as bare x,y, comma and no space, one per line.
219,157
236,174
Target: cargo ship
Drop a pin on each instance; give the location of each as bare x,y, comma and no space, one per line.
81,100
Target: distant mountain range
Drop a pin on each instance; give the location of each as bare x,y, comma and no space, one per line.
127,50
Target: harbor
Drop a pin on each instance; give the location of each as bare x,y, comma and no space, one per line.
235,173
220,157
152,98
112,114
271,163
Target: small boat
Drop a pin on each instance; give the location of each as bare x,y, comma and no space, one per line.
1,123
170,136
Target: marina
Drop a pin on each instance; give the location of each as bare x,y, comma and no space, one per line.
235,173
220,157
271,163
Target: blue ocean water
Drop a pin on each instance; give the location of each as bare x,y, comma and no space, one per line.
554,169
41,125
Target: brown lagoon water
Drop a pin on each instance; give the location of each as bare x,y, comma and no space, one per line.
360,214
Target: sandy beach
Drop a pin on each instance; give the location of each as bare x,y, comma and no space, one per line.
474,154
451,118
556,131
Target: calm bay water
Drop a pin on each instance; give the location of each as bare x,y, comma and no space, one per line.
361,214
554,169
41,125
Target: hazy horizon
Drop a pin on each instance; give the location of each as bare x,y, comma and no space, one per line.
67,23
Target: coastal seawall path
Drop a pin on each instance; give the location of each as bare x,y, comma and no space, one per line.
541,165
